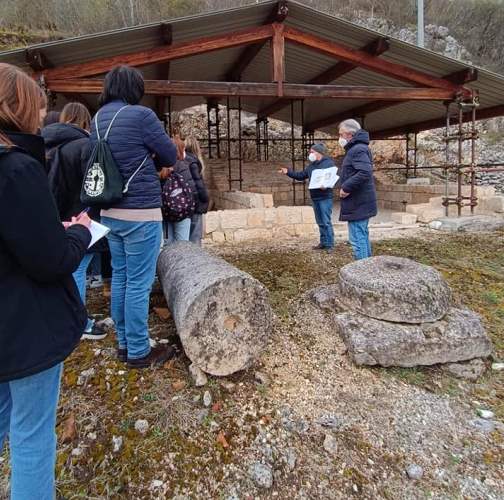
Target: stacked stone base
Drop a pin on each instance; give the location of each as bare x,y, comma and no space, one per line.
392,311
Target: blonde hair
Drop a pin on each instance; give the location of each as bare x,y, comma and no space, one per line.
76,114
21,100
192,146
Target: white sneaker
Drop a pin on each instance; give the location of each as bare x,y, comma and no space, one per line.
95,282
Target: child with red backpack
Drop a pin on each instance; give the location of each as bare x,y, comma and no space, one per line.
179,200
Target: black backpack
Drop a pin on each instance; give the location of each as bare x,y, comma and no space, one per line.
178,199
103,183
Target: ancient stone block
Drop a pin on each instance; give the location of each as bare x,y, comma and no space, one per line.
211,222
289,215
394,289
251,234
307,215
255,218
458,336
218,237
404,218
234,219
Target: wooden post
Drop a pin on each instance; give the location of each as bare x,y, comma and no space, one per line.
278,56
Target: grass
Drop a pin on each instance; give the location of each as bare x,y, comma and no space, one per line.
176,443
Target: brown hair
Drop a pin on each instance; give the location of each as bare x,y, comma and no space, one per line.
76,114
192,146
179,143
21,100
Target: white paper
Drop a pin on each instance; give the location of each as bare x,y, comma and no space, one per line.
98,231
324,178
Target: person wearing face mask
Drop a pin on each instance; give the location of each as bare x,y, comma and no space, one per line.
322,199
357,193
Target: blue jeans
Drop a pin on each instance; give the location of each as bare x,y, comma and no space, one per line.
134,247
323,215
196,233
80,279
178,231
28,416
358,236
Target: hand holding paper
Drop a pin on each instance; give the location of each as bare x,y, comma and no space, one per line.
98,231
324,178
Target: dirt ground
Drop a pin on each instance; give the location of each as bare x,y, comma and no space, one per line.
310,424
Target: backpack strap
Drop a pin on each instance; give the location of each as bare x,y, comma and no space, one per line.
105,138
126,186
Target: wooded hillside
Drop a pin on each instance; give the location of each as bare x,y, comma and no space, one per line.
475,23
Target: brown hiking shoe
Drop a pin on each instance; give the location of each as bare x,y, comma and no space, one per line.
158,355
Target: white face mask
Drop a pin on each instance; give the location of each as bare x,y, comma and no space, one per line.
342,142
312,157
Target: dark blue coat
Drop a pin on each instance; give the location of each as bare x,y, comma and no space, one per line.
357,179
135,134
302,175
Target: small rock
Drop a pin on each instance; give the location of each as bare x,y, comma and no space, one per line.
178,385
77,452
414,471
483,425
196,398
162,313
106,323
497,366
330,444
199,377
261,474
486,414
156,484
207,399
290,459
92,436
121,372
142,426
229,386
331,421
471,370
69,429
201,415
117,442
153,343
262,378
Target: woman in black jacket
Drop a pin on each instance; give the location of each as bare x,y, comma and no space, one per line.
67,152
42,314
197,166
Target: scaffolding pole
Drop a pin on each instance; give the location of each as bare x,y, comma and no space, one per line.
234,161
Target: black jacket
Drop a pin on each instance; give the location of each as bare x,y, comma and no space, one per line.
42,314
201,194
67,151
357,179
302,175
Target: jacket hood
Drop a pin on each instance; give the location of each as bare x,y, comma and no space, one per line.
29,143
361,137
61,133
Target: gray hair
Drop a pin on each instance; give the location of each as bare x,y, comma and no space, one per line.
351,126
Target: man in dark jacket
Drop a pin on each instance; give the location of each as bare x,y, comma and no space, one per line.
358,194
322,199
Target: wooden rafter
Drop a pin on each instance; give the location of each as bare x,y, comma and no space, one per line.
162,53
376,48
367,61
248,54
481,114
248,89
466,76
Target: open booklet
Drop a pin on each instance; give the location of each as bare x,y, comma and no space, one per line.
98,231
324,178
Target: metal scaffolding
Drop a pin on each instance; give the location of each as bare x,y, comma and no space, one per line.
298,155
458,133
213,126
234,144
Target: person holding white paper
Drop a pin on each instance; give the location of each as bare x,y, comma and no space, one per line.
67,151
321,191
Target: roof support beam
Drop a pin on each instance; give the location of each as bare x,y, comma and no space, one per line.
163,53
466,75
248,89
367,61
278,15
278,57
376,48
481,114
